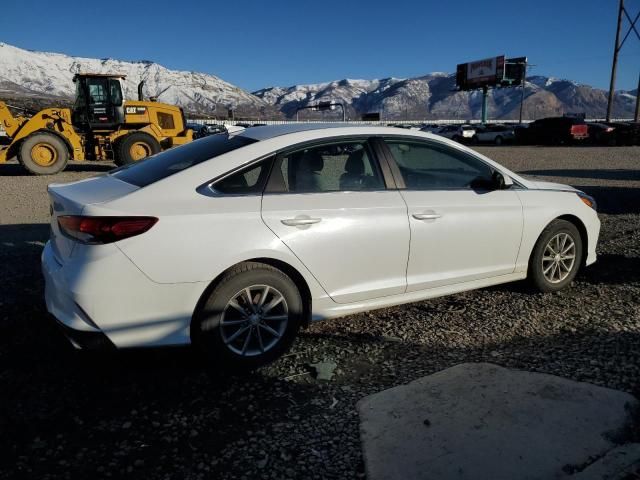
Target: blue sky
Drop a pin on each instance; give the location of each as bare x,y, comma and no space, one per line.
255,44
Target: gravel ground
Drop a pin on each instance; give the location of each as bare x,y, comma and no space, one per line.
162,414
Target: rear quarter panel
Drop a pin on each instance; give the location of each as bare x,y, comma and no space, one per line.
197,237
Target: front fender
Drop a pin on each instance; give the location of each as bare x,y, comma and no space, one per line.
540,208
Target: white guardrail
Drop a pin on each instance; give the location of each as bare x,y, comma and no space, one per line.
381,122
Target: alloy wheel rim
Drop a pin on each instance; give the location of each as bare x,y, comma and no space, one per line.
558,258
254,320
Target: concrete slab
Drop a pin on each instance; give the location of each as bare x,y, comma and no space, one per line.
621,463
482,421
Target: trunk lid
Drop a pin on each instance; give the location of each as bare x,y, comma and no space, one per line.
72,198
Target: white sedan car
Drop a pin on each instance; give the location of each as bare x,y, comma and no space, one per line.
496,134
234,242
457,133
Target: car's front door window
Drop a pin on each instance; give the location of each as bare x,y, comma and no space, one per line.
426,166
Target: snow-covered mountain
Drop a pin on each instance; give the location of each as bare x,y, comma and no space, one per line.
39,79
25,72
434,96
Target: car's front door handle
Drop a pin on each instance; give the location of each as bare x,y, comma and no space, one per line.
300,221
426,216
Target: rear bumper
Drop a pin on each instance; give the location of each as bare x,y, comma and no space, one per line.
102,299
69,316
60,301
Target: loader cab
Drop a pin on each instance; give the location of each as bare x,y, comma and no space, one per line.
99,103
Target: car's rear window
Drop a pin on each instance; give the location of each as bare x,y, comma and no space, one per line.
174,160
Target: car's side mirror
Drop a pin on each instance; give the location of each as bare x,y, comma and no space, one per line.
501,181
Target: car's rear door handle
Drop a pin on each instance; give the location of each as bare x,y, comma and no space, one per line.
300,221
426,216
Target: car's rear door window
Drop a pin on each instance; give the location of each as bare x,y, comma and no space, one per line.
177,159
333,167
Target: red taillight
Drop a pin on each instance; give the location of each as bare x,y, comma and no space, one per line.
95,230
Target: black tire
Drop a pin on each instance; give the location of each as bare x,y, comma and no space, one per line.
474,140
498,140
207,331
43,153
457,138
536,274
124,147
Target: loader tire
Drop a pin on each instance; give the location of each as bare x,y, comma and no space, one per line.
43,153
134,147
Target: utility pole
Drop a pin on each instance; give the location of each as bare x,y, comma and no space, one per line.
616,50
485,103
524,83
636,117
618,46
614,66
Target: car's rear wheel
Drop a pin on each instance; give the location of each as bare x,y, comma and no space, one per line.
250,318
556,257
498,140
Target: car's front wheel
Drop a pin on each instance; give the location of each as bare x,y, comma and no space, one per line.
250,318
556,257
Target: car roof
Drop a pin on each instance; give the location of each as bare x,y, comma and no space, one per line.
271,131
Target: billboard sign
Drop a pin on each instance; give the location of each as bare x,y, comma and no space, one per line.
515,70
485,71
480,73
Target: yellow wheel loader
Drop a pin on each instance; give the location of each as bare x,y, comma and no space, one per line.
100,126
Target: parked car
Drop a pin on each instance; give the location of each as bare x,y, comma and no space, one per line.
625,133
496,134
430,128
214,128
457,133
199,130
553,131
602,133
235,242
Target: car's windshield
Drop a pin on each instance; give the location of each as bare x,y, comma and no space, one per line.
162,165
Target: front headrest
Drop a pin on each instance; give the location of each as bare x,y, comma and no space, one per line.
354,164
